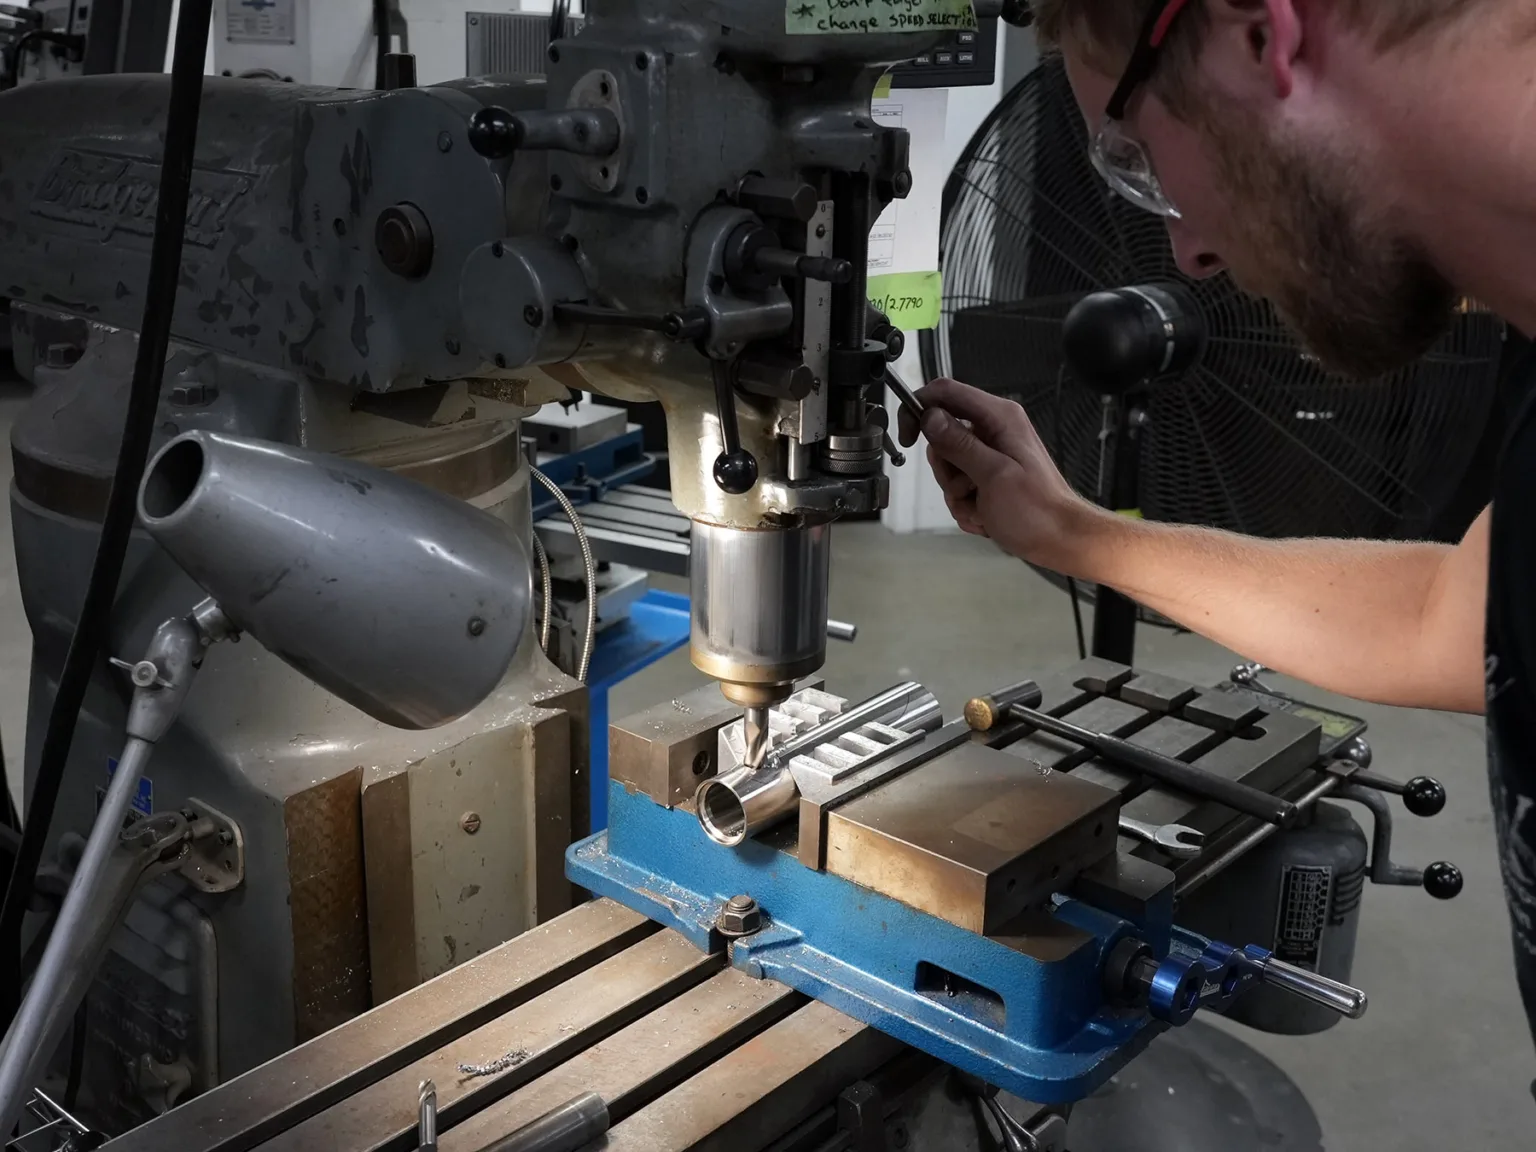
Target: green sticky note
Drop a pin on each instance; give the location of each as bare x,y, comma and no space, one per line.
875,17
883,87
910,299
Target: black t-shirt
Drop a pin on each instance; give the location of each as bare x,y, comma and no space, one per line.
1511,674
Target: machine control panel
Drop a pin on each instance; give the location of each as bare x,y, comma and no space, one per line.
968,59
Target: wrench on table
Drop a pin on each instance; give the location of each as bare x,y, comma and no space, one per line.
1175,839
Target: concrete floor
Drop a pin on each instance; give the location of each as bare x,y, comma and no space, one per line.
1441,1063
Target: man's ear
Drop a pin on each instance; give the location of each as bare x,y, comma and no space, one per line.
1261,41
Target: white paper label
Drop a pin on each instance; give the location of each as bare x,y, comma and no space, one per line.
259,21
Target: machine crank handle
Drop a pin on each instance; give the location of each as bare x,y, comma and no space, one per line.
1201,973
1442,880
735,467
1422,796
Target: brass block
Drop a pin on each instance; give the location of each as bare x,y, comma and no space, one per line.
974,837
669,748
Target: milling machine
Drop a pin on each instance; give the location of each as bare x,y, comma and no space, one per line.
678,212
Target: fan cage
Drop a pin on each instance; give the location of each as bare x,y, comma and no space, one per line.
1256,437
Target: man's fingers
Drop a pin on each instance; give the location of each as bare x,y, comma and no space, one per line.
991,416
958,445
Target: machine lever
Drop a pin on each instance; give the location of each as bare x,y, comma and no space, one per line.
687,324
905,396
842,630
1332,994
1018,703
1422,796
496,133
735,467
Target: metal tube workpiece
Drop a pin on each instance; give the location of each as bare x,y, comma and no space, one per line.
750,799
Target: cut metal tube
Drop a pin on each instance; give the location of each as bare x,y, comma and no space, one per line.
748,800
841,630
571,1126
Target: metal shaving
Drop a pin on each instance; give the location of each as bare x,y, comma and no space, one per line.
510,1060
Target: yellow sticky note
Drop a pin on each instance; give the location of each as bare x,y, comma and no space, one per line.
883,87
910,299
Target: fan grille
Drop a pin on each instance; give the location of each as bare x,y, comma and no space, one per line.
1257,438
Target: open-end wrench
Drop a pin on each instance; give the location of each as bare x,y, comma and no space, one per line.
1175,839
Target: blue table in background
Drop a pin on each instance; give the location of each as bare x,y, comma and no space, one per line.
657,625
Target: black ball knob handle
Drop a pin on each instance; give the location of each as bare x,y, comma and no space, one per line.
736,472
1424,796
1443,881
494,133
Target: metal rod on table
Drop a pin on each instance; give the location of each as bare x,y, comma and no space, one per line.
1164,769
1210,868
571,1126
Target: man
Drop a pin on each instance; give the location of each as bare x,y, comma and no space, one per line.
1362,165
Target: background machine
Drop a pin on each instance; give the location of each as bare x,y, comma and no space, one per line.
678,212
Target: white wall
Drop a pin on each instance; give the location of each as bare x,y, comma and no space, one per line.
916,503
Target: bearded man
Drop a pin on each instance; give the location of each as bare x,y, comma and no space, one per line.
1363,166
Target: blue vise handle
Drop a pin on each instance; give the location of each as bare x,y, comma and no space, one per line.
1199,973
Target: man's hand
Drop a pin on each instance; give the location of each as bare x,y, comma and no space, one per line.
998,479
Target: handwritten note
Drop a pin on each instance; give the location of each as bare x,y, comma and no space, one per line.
910,300
875,17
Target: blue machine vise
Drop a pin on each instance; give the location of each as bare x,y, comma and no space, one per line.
963,900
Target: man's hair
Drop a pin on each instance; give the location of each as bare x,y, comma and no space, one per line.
1108,29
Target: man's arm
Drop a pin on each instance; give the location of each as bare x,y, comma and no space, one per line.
1397,623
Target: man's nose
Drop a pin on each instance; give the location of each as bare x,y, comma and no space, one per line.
1193,258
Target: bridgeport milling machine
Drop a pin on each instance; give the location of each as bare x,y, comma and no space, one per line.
679,211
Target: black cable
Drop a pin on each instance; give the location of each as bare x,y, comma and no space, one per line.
383,41
76,1056
117,524
1077,608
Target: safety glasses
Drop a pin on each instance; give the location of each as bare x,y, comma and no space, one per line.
1117,155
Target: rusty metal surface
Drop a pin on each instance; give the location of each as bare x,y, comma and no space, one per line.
974,837
326,886
391,904
534,1038
756,1093
818,799
666,750
271,1099
643,1061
